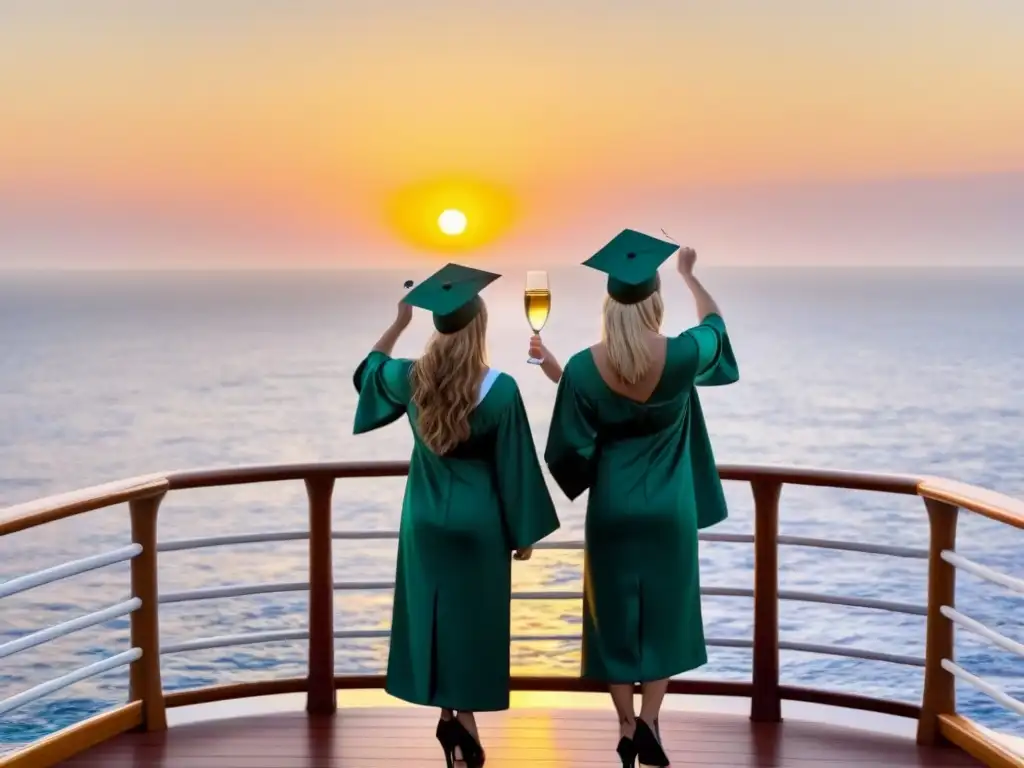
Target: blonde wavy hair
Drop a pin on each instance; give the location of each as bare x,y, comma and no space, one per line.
445,381
623,332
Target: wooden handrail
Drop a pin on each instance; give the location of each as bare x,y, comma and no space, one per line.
65,744
973,740
48,509
51,508
273,473
821,478
936,717
268,473
991,504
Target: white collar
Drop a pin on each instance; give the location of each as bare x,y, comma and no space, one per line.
488,381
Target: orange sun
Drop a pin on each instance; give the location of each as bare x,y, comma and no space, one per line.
451,214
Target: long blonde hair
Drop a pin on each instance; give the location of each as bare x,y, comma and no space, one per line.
624,331
445,381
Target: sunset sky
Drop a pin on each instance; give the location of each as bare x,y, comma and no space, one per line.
307,132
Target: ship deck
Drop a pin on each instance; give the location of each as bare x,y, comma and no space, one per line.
542,737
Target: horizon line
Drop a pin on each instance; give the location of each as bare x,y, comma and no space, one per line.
183,268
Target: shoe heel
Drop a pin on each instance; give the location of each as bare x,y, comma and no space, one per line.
649,749
626,751
473,754
444,736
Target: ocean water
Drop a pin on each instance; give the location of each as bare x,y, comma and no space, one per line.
112,375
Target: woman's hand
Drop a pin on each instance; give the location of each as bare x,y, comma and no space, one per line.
548,364
686,261
537,349
404,315
705,304
523,554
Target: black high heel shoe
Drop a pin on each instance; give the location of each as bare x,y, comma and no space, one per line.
648,747
627,752
473,754
446,736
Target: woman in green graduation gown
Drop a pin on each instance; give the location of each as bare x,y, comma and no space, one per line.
628,426
475,495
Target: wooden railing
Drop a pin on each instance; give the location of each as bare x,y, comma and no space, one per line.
937,716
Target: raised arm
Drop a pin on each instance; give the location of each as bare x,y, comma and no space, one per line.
705,304
386,343
714,362
382,382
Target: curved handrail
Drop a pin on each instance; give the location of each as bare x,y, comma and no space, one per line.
991,504
810,476
215,477
936,715
983,501
59,506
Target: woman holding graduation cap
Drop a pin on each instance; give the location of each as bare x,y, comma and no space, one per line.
628,426
475,495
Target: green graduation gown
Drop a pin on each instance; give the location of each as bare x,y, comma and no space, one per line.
463,515
653,482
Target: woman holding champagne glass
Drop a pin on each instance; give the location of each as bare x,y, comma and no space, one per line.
628,426
474,496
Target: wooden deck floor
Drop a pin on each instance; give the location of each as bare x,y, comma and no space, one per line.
372,738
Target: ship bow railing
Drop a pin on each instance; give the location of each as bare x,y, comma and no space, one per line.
938,720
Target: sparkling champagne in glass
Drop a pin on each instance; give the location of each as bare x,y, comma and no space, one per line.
538,304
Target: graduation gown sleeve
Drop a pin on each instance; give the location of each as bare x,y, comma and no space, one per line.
383,387
571,451
529,513
716,363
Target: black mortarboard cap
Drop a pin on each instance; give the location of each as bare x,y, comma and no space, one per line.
452,295
631,261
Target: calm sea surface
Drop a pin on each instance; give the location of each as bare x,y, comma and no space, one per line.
108,376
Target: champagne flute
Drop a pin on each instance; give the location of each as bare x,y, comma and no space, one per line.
538,304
